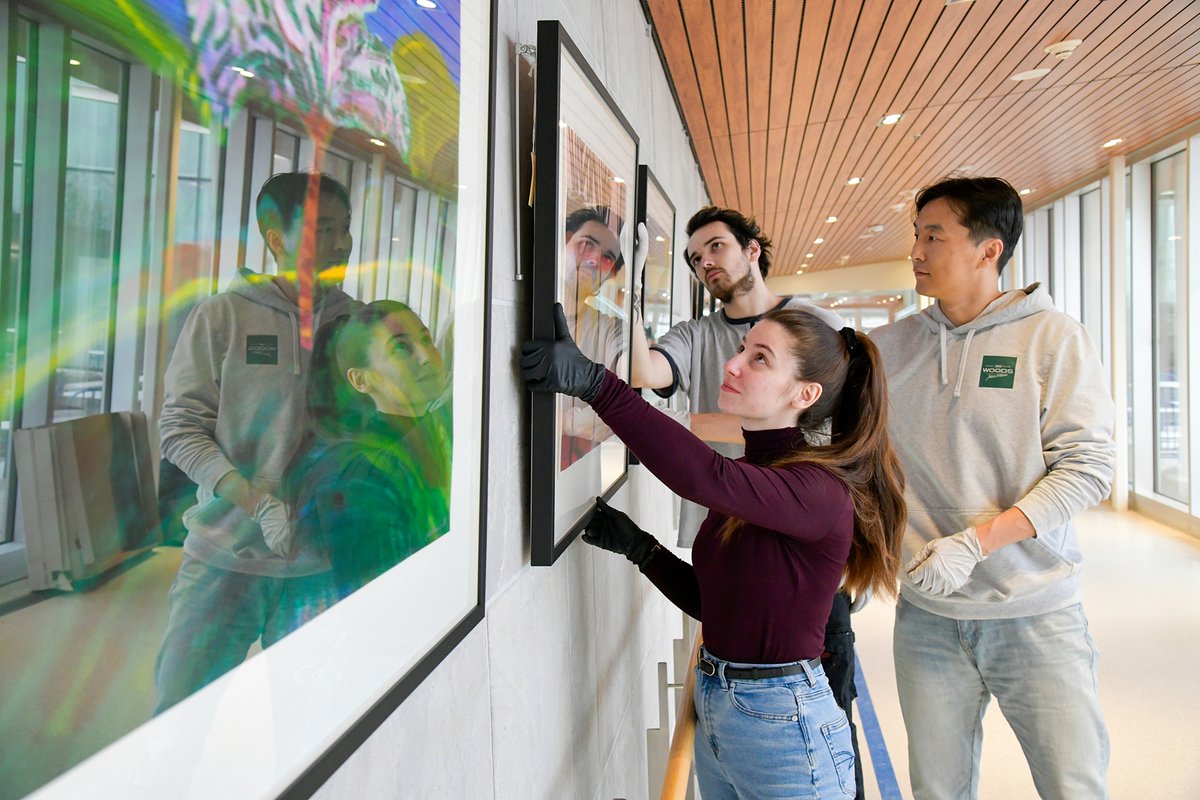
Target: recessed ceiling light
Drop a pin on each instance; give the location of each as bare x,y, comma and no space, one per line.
74,62
618,179
898,206
659,239
958,2
1030,74
891,119
854,181
799,272
818,240
1024,192
379,143
831,218
1063,49
1112,143
426,4
808,255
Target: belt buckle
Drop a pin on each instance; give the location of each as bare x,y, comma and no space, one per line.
706,666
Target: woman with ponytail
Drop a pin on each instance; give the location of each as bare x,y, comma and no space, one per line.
787,523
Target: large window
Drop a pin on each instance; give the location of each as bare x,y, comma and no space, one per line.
91,220
1168,182
1092,267
10,272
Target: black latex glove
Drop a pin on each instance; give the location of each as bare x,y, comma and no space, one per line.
558,366
612,530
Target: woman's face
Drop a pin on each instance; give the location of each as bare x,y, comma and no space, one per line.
405,373
760,384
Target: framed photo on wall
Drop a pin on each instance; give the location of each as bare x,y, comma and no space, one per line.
703,303
584,225
392,104
657,212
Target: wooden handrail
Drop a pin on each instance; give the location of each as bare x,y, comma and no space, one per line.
679,760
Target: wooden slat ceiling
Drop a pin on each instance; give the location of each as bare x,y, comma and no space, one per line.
783,101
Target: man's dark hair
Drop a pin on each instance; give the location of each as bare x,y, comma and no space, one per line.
989,208
742,227
281,198
603,215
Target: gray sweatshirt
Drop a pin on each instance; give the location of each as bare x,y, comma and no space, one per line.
1010,409
234,400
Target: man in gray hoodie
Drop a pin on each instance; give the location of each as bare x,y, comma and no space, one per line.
233,415
1002,418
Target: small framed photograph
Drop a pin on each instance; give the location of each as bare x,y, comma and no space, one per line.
584,226
657,212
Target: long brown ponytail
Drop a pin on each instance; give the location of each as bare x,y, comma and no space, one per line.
854,401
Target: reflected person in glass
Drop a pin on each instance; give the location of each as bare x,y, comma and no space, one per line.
233,415
372,484
592,256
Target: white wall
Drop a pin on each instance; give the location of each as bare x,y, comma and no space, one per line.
551,695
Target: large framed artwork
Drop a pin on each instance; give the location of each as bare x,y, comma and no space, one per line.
584,221
657,212
380,111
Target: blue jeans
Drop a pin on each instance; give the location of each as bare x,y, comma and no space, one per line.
771,738
1042,672
216,615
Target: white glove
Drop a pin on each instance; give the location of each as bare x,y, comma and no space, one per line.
860,602
641,248
944,565
272,516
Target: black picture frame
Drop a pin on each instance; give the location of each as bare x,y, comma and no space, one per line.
656,211
703,303
587,158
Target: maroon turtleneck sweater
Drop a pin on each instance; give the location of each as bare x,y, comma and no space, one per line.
764,595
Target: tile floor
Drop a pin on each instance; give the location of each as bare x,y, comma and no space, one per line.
1142,598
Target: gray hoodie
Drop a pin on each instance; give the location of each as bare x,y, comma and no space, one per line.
234,400
1010,409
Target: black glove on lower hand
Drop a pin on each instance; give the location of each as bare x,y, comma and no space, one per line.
558,366
612,530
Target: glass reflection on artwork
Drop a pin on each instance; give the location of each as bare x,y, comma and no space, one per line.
593,293
656,282
228,339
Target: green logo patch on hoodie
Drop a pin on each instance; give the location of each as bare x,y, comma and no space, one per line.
998,372
262,349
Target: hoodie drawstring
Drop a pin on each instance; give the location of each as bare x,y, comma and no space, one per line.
295,343
942,359
962,364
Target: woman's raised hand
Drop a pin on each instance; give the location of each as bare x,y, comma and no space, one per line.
558,365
